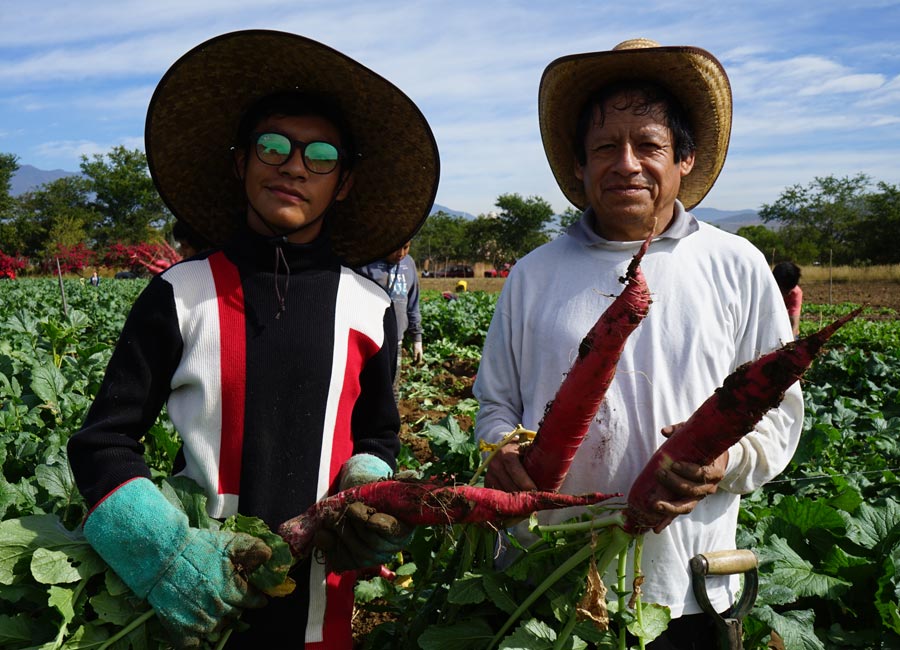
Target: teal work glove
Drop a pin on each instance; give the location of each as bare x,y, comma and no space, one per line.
194,579
361,469
360,537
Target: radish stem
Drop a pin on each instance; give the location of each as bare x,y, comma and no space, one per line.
125,631
566,631
574,560
638,581
584,526
620,595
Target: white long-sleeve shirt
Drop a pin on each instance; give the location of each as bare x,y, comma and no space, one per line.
715,306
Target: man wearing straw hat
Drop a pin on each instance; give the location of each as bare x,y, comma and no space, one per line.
274,359
636,137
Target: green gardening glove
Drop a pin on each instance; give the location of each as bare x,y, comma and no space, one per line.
194,579
361,537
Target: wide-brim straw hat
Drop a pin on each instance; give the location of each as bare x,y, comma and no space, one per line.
193,118
692,75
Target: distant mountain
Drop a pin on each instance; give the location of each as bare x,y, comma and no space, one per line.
29,178
728,220
453,213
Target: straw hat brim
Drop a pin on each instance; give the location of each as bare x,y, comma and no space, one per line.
193,118
693,75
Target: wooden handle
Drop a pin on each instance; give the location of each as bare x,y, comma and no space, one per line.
720,563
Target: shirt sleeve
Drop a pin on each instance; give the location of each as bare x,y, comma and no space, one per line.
766,451
413,314
497,383
376,420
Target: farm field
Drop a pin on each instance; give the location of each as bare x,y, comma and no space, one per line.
876,293
827,531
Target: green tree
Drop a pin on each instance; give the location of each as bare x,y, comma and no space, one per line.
441,239
522,225
56,214
765,239
823,215
129,207
482,236
880,224
569,216
9,165
781,245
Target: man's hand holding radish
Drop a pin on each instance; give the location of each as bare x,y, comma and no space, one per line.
690,481
506,471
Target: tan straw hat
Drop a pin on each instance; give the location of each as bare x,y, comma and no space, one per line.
691,74
193,118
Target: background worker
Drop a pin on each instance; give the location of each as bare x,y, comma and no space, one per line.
397,274
273,358
787,275
636,137
188,241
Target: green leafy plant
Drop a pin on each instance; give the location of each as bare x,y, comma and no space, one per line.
826,530
56,591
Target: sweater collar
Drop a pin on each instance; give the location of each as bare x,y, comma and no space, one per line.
260,251
683,224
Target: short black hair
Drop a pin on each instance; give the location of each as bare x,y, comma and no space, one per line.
787,275
641,97
294,103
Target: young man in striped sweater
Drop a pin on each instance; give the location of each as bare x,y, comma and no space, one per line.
274,359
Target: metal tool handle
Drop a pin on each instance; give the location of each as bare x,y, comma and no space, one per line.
728,623
721,563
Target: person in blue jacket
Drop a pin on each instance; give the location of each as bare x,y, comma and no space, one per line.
397,274
273,358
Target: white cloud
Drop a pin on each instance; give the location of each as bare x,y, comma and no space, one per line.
816,87
851,83
68,149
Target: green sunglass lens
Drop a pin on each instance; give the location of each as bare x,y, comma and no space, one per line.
273,148
321,157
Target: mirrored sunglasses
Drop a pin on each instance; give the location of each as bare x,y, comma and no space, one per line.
277,149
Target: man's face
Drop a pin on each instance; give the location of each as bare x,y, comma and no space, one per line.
398,254
630,175
289,196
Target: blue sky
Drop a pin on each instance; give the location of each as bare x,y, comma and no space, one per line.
816,83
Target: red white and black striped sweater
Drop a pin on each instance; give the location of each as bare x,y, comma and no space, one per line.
269,403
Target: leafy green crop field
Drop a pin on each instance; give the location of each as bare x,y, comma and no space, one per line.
827,531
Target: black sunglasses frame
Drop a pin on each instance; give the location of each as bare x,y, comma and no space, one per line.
295,145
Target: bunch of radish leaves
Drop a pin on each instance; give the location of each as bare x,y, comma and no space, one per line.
56,592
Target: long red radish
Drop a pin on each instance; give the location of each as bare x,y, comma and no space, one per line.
427,504
567,418
723,419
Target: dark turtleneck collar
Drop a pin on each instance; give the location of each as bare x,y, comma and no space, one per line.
259,250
